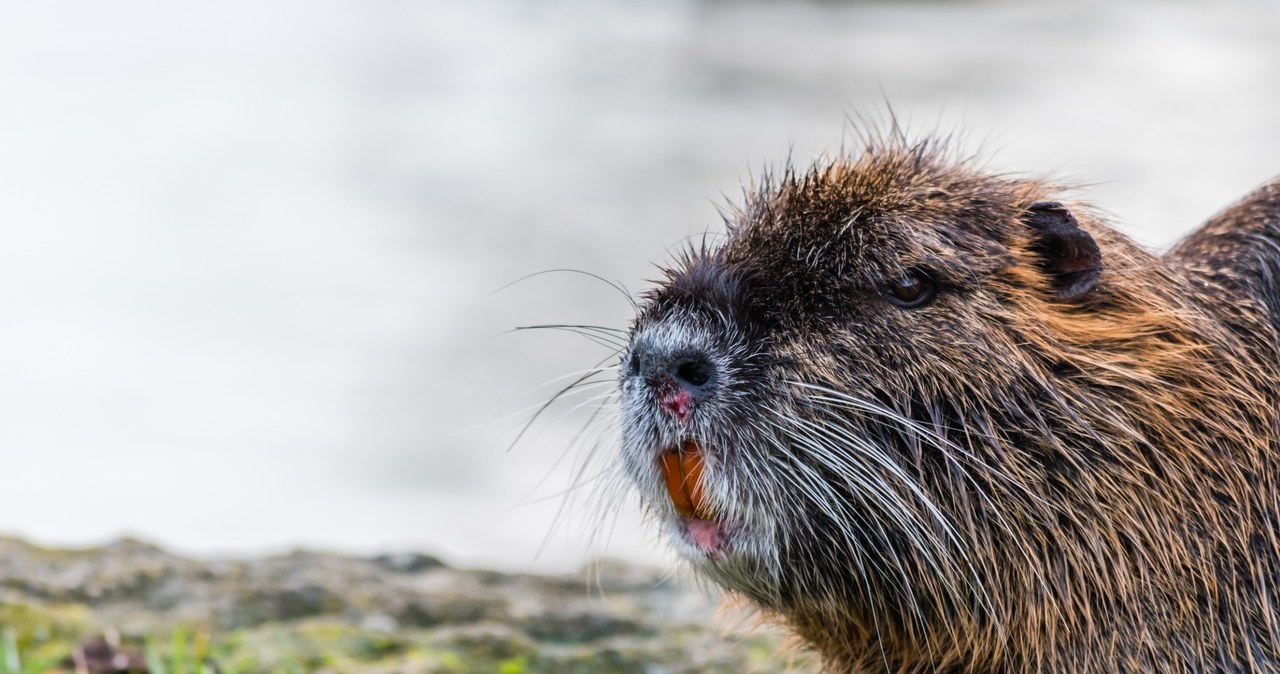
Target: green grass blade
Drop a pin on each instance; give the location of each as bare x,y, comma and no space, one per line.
178,658
9,646
155,663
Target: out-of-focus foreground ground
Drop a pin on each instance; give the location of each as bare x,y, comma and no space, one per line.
249,249
132,608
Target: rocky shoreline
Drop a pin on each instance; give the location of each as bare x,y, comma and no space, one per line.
312,611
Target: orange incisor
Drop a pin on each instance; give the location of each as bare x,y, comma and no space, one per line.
682,471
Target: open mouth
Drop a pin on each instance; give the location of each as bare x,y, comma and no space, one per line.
682,471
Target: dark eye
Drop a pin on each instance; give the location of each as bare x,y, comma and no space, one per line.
914,289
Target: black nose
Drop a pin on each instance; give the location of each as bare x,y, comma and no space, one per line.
690,369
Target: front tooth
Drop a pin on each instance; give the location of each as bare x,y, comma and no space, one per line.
691,461
682,472
673,471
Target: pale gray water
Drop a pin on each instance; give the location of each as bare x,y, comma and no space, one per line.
246,247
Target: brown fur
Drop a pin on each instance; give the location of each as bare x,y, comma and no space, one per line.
1070,486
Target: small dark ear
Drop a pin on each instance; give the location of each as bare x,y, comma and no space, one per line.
1067,253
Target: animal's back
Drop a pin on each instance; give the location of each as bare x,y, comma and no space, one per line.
1236,255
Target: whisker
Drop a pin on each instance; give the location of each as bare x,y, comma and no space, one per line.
598,335
552,400
616,285
947,448
602,402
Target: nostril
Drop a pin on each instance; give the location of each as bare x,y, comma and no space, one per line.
688,371
695,372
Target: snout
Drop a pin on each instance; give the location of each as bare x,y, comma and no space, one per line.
680,377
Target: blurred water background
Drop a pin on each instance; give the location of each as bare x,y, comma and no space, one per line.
249,249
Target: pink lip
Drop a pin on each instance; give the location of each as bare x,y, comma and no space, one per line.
709,536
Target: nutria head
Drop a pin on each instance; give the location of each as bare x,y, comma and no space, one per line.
934,417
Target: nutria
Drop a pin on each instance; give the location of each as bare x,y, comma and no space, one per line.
940,420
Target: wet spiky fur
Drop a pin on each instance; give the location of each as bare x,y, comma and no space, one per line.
1000,480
